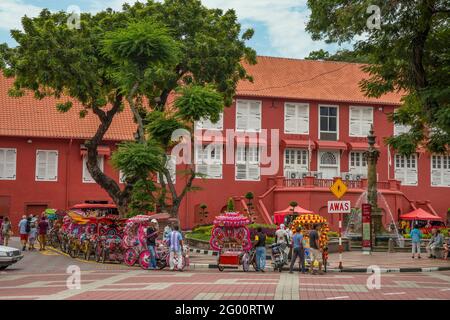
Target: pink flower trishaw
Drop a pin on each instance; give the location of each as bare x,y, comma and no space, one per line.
231,238
134,240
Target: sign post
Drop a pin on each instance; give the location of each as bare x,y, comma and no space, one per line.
366,214
339,189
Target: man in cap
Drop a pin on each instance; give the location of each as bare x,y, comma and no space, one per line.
152,234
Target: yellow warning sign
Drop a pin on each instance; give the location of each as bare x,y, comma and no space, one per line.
338,188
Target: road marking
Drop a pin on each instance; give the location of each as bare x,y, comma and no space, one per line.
341,297
287,287
448,289
393,293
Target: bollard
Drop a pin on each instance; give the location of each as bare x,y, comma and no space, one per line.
391,245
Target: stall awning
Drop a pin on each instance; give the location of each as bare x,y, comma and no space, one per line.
420,214
334,145
304,144
209,139
102,150
360,146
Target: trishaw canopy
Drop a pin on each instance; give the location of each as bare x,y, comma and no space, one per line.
420,214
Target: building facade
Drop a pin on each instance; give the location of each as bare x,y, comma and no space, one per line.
288,134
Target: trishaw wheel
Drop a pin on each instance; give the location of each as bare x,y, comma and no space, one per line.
221,268
130,257
103,256
144,259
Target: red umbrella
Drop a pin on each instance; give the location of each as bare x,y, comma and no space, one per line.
420,214
297,209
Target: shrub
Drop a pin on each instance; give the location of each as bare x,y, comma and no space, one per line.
333,234
230,205
267,229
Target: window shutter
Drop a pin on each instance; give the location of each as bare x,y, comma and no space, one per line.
241,115
215,170
10,164
303,119
202,168
355,124
367,121
241,171
2,163
87,178
41,165
254,119
400,128
290,123
253,172
52,165
208,125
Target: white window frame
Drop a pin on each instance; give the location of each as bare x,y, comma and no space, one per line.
355,157
337,120
121,177
248,104
444,170
4,163
401,128
360,120
85,171
403,161
297,118
337,153
303,167
46,178
173,173
247,161
206,124
208,160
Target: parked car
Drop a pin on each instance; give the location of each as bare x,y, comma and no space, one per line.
9,256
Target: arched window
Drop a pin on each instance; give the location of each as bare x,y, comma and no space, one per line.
328,158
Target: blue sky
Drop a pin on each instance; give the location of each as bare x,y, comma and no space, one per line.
279,24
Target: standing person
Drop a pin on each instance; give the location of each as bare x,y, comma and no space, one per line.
23,231
43,228
260,245
1,234
298,251
32,235
282,237
416,236
175,248
446,246
6,231
152,234
316,251
166,233
436,241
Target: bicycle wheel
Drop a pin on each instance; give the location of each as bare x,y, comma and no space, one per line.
144,259
245,262
130,257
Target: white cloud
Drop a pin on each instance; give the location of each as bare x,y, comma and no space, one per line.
12,11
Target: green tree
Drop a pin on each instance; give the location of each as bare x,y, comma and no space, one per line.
409,52
344,55
140,56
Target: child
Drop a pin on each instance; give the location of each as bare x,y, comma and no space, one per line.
32,236
416,236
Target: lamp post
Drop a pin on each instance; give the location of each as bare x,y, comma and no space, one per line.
371,156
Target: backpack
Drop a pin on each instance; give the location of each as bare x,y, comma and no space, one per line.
28,227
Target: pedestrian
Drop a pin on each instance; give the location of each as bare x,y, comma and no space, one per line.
175,249
446,246
316,251
260,245
152,234
298,251
1,235
6,231
436,241
416,236
166,232
24,228
282,237
32,235
43,228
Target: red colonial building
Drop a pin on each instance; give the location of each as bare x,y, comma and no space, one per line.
310,117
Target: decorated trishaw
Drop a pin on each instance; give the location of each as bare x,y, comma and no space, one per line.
108,246
134,240
231,238
307,222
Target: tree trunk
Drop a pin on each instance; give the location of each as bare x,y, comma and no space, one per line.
119,197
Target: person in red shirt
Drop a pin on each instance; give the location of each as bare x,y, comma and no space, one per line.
43,227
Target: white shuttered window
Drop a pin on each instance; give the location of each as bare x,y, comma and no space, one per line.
207,124
406,169
247,163
8,164
87,178
440,171
46,165
248,115
296,118
357,163
208,160
361,118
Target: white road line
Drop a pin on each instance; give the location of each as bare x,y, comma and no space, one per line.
341,297
393,293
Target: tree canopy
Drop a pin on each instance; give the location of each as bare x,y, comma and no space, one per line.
409,52
134,58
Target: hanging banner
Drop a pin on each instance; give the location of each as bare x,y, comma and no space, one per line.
366,211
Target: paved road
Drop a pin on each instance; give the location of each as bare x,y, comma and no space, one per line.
43,276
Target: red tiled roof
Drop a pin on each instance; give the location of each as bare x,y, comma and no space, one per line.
273,77
309,80
29,117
